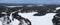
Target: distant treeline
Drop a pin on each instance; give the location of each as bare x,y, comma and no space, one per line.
34,8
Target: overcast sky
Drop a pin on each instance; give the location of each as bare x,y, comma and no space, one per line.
32,1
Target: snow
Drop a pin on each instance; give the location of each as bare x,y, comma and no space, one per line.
36,20
39,20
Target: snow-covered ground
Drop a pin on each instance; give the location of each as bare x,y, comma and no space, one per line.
37,20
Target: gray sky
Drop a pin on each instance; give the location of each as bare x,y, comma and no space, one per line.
32,1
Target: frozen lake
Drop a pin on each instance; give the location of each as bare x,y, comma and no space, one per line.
36,20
